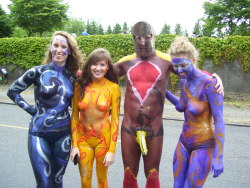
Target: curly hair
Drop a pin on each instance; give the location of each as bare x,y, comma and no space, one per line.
74,59
95,56
181,46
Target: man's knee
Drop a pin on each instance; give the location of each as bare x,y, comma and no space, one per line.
130,180
153,179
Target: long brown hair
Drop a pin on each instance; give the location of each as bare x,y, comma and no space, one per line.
97,55
74,59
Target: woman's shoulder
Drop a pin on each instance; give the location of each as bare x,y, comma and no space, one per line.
208,81
36,70
112,84
42,68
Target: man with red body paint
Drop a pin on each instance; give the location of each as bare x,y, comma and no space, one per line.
147,73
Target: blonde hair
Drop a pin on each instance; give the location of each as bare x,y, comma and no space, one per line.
181,46
74,59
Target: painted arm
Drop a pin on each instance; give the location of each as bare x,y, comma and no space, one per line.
75,116
216,104
119,69
115,110
175,101
74,123
19,86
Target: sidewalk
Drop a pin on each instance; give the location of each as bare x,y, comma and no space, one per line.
232,114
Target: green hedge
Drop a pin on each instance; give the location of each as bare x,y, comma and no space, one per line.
26,53
29,52
224,50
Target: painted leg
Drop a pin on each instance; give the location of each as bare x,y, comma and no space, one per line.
86,166
199,168
131,159
130,180
153,179
60,154
101,170
180,165
152,161
40,157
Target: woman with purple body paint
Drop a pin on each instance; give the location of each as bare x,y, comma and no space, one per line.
200,146
49,140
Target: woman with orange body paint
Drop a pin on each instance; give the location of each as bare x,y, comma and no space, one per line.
200,146
94,133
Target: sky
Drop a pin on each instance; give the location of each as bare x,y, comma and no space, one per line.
156,12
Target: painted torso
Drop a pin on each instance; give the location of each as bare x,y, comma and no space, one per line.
198,126
146,85
91,114
53,89
94,108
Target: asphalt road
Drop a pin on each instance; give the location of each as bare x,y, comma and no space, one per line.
16,171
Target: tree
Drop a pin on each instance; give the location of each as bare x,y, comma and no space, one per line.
228,17
109,30
100,30
19,33
125,28
178,29
37,16
88,26
117,29
74,25
5,24
94,28
197,29
165,29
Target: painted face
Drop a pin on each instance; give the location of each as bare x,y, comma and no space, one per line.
59,50
144,40
183,67
99,69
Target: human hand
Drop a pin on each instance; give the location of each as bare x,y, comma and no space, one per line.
109,159
219,84
217,167
75,151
